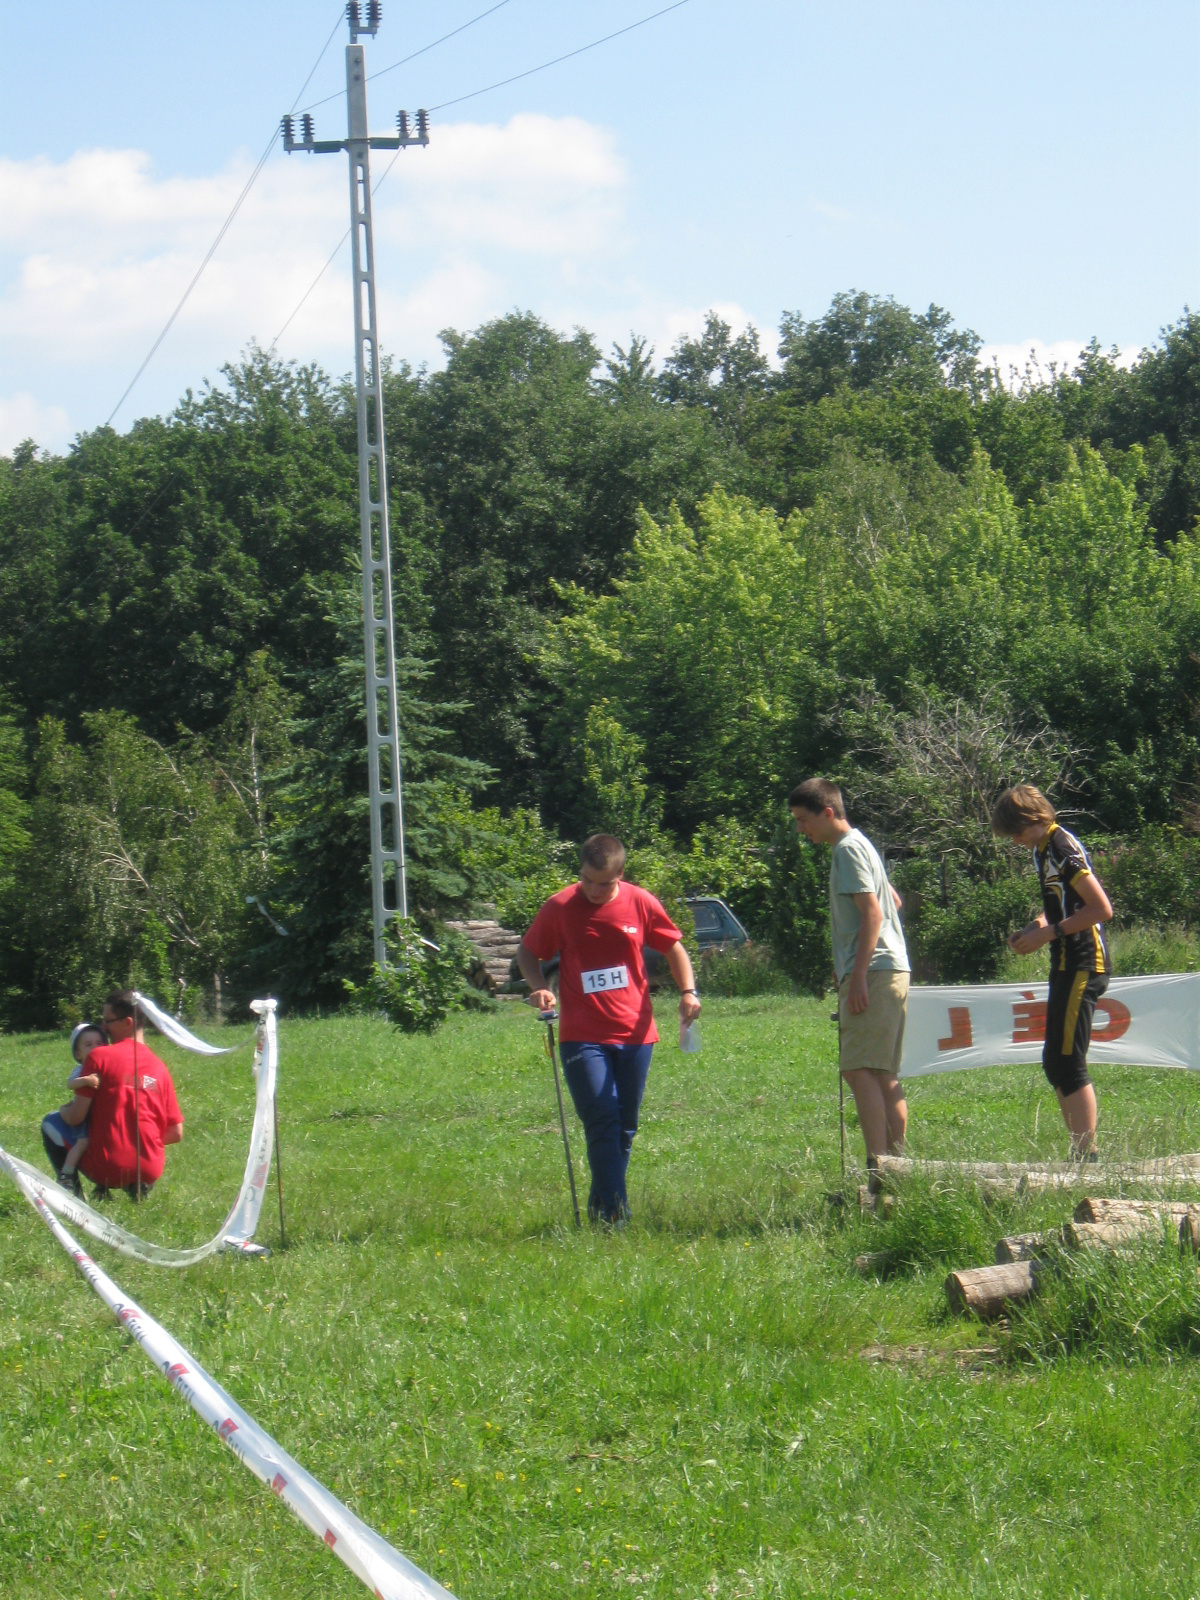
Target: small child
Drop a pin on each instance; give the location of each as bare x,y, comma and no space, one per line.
1074,906
64,1132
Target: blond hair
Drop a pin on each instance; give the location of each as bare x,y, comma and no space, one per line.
1023,806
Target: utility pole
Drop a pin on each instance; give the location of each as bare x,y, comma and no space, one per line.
389,893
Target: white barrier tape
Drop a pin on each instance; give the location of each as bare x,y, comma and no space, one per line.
177,1033
237,1230
388,1574
1143,1022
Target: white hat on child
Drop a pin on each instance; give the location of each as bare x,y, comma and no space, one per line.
83,1027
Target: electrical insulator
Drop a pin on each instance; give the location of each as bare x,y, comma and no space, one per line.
289,128
374,15
423,126
402,124
352,16
306,128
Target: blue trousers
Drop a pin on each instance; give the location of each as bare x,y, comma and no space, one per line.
607,1082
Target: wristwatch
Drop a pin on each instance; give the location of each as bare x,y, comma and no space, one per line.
696,992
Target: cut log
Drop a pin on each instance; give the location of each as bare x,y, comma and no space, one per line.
989,1291
1189,1230
1036,1175
1021,1247
1115,1234
1101,1209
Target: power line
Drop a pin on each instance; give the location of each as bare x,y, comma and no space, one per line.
222,231
582,50
425,48
375,188
529,73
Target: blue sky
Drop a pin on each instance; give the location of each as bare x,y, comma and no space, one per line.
1033,168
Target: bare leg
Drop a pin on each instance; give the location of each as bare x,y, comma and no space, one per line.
896,1108
74,1155
1079,1114
871,1107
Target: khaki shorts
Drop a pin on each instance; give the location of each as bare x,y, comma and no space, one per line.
875,1038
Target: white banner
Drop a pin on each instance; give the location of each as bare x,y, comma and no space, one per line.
1145,1022
388,1574
237,1231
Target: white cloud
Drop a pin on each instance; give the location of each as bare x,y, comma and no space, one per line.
97,249
22,417
1033,360
662,325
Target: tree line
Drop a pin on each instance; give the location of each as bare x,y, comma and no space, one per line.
627,597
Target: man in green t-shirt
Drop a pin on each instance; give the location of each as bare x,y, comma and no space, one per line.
870,961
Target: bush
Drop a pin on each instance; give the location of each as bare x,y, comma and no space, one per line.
1143,950
798,923
1152,878
740,971
965,940
423,983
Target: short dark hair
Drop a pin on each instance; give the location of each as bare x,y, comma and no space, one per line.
122,1004
814,794
1023,806
603,853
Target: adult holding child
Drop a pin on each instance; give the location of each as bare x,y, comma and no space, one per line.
134,1112
1074,907
598,928
870,962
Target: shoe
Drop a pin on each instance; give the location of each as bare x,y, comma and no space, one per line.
70,1181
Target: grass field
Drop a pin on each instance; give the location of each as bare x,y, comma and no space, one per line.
711,1403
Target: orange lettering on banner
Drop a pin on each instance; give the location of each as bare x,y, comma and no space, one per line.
1029,1019
961,1037
1117,1024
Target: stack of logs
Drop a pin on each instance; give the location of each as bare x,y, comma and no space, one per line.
496,949
1097,1225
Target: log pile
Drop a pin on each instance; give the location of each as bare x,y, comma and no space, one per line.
1098,1224
496,948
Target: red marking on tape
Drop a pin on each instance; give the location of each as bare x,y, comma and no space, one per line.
330,1537
1029,1019
1118,1022
279,1483
227,1427
176,1371
960,1037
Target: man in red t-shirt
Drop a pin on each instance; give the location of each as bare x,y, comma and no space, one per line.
119,1114
598,928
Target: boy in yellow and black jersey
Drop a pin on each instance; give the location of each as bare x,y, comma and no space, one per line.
1074,907
1062,864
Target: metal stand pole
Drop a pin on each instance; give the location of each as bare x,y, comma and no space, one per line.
279,1176
137,1107
548,1019
836,1016
842,1120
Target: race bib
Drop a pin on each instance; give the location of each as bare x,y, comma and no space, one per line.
602,979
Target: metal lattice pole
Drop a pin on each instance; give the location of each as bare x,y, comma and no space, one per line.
383,740
389,890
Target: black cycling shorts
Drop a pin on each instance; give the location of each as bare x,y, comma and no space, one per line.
1069,1011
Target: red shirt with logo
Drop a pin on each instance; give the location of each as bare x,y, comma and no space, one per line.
111,1156
603,996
